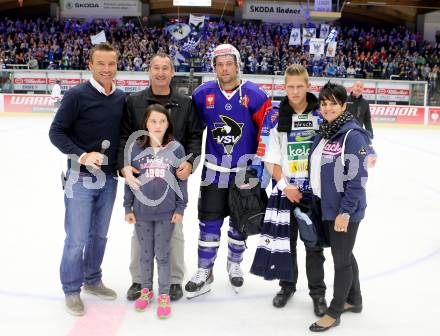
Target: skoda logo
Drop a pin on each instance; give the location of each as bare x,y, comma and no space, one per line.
69,5
228,107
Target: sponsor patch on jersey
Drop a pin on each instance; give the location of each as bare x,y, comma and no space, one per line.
298,151
228,107
210,101
245,100
227,133
301,136
303,124
296,167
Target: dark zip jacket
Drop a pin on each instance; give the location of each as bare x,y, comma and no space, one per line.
187,128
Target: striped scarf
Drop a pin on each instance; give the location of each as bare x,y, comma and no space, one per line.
272,258
327,130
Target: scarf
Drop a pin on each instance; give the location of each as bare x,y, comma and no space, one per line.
272,258
327,130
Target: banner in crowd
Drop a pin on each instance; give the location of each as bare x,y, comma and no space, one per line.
179,31
98,38
316,46
196,22
101,9
331,37
331,49
324,30
308,33
295,37
273,12
187,37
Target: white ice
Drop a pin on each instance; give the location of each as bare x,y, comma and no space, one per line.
398,251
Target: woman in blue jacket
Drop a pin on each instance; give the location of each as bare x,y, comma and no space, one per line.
338,173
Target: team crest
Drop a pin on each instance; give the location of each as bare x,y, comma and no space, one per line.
210,101
227,133
245,100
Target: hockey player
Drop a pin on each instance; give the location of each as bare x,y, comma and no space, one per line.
233,112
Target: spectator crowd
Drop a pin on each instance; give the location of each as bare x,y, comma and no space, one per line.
361,53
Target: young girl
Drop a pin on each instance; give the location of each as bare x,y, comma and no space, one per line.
158,204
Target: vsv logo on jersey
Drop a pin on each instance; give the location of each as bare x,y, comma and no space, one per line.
210,100
227,133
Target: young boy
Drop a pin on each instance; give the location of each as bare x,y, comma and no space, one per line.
286,158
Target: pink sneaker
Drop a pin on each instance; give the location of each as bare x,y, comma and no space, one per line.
142,303
164,309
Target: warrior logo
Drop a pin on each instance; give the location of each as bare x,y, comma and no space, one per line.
227,133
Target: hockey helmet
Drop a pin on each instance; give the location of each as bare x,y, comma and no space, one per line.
225,49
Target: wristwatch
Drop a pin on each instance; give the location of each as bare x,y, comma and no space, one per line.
345,215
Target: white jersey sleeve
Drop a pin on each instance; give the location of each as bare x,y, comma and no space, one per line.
273,150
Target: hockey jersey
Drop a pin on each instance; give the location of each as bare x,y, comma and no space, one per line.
233,121
291,149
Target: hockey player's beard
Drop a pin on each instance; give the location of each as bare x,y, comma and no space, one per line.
228,82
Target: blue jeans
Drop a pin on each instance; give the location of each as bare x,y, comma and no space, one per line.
89,206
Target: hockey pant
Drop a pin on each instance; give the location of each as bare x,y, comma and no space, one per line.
209,241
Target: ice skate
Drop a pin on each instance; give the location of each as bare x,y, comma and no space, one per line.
200,283
235,276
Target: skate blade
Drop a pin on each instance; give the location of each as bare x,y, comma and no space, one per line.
202,291
236,290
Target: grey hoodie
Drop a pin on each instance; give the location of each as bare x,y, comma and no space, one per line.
161,193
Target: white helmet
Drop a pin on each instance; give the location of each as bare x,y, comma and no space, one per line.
225,49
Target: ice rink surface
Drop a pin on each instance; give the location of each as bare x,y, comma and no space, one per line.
398,251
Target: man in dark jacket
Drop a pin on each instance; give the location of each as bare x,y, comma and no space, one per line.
359,107
187,130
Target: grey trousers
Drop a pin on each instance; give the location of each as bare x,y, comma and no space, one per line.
154,241
177,256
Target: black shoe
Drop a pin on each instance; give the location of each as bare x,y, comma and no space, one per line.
317,328
134,292
353,309
176,292
281,298
319,306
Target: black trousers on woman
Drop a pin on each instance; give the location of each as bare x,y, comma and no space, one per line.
346,286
